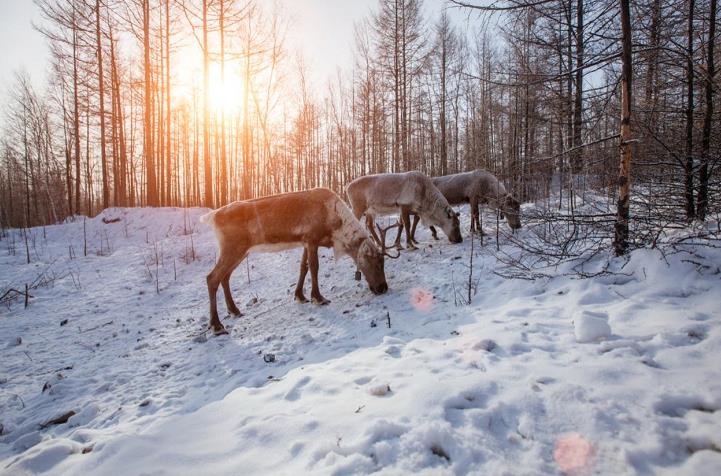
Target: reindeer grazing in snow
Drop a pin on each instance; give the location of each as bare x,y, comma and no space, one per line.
475,187
410,192
309,219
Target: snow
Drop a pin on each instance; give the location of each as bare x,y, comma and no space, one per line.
615,374
591,326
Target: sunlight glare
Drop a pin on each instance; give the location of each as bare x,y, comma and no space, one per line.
225,96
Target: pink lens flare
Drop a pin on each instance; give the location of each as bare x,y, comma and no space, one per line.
421,299
573,453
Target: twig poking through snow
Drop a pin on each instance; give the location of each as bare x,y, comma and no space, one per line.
59,420
96,327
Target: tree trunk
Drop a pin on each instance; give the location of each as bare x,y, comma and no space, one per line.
208,201
578,99
151,185
168,155
76,113
688,166
101,99
708,116
620,242
223,183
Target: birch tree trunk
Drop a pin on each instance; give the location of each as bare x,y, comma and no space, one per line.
620,242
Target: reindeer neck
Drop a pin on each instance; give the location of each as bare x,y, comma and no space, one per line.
348,234
437,201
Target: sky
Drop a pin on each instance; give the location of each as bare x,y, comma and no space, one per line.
23,46
321,29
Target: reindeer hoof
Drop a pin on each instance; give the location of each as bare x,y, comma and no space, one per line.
219,331
399,247
411,247
234,311
300,298
321,301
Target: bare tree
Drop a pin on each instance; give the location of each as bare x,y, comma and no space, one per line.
620,243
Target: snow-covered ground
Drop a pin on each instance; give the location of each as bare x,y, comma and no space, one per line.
617,374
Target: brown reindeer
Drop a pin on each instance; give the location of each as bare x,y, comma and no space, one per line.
475,187
409,192
309,219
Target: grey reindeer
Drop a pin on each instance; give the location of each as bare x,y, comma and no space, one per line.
475,187
409,192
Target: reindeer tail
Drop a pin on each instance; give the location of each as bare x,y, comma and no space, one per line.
208,218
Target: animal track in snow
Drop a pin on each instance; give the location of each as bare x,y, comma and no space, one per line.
678,405
476,398
689,335
294,393
362,380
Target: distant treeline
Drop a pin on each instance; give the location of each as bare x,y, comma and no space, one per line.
527,89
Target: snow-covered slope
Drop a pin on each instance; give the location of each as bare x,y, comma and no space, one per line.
616,374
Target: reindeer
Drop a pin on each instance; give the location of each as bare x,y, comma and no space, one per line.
410,192
309,219
475,187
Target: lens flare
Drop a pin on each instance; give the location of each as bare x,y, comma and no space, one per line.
421,299
573,453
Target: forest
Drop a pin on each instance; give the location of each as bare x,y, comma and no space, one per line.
571,326
200,103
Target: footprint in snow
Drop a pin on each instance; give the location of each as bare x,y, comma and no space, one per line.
455,408
689,335
295,392
700,316
362,380
678,405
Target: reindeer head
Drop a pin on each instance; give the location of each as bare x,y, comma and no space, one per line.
511,209
370,262
449,223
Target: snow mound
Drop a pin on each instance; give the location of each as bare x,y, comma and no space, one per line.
591,326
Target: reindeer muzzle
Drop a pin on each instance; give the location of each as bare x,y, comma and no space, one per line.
380,289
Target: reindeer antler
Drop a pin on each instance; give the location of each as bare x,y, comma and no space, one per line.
383,232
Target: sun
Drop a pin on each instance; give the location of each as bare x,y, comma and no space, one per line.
224,96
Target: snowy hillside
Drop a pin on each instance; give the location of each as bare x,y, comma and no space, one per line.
617,374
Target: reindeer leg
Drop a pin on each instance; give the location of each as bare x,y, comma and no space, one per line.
225,265
479,222
299,296
397,244
474,214
434,233
413,228
229,303
313,265
405,215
